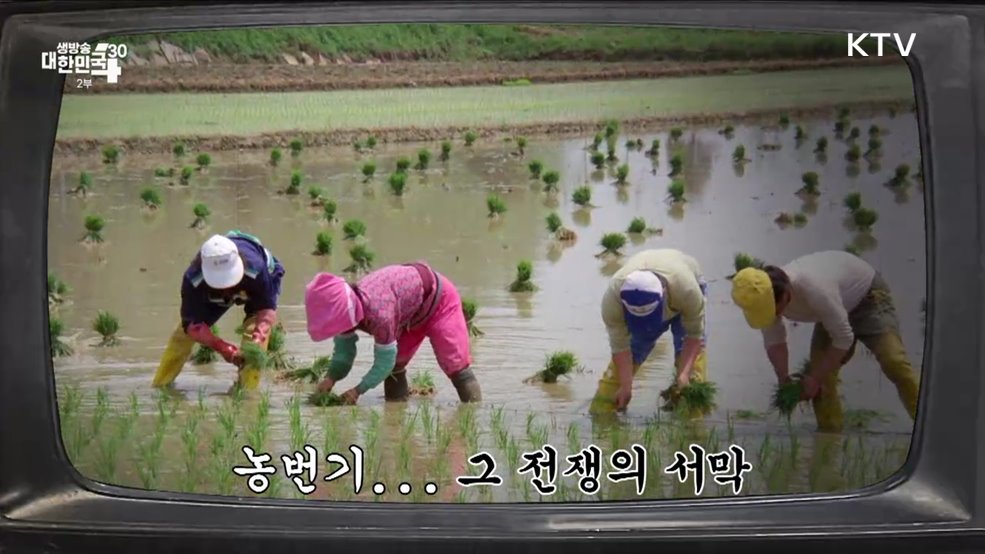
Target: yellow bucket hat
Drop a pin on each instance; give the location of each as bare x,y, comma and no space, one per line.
752,291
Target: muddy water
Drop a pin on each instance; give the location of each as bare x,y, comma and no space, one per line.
136,273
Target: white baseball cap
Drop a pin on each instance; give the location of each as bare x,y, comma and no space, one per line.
641,293
222,267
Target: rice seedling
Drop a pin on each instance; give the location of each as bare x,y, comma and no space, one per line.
597,141
178,149
582,196
784,120
57,289
324,399
323,244
676,191
357,145
294,188
900,175
316,195
203,354
557,364
423,159
203,160
852,201
865,218
612,244
470,137
800,219
362,259
151,198
275,156
329,210
854,133
676,133
107,325
403,164
495,205
875,145
521,145
676,165
535,167
201,213
524,273
630,144
739,154
728,131
469,309
398,183
742,261
610,153
636,226
353,229
554,222
422,384
254,356
598,160
370,142
85,183
111,154
821,146
94,226
551,179
783,219
852,249
296,147
611,129
162,172
276,354
59,348
654,148
622,172
799,134
810,180
186,175
854,153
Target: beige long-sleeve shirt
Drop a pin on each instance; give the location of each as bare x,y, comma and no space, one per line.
825,287
680,274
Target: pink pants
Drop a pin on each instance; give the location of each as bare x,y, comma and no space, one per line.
445,329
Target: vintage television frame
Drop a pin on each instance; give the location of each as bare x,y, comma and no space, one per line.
936,501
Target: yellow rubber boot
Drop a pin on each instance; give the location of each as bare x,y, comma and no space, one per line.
891,354
177,352
827,404
249,377
604,401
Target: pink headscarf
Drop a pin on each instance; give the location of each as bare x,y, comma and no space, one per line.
332,307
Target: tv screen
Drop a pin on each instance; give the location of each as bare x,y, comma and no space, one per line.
499,275
547,176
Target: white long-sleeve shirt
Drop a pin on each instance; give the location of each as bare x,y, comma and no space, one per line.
825,287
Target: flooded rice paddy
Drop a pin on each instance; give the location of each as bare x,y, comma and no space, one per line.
118,430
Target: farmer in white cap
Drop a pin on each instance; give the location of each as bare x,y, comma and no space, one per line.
655,291
234,268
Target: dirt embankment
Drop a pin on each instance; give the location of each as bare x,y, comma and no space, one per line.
252,77
346,137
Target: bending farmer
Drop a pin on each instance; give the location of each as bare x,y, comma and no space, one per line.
400,306
230,269
848,301
655,291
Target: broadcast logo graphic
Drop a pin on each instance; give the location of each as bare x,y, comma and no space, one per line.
82,59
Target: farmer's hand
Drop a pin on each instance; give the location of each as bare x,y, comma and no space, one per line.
351,396
238,360
326,385
809,386
682,380
229,352
783,380
623,396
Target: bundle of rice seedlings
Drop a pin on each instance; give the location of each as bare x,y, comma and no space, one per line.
254,356
277,357
324,399
786,397
58,346
469,309
698,397
203,354
422,384
557,364
312,374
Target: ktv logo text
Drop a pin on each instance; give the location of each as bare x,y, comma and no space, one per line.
855,43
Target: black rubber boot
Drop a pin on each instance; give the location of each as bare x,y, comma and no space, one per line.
467,386
395,388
